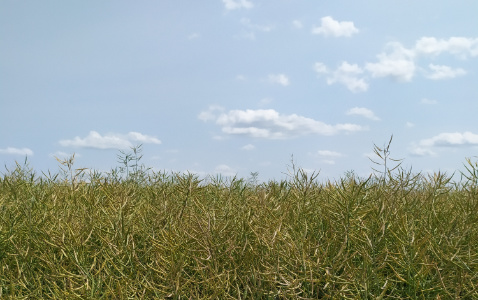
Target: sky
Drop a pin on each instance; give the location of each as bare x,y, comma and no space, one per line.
233,87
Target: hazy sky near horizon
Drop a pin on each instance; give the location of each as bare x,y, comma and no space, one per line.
239,86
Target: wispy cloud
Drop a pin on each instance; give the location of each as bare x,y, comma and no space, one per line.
248,147
428,101
109,141
331,27
364,112
239,4
194,36
269,124
247,23
16,151
328,153
421,151
265,101
281,79
225,170
297,24
328,157
320,68
250,29
63,155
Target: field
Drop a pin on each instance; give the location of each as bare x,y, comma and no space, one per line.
138,234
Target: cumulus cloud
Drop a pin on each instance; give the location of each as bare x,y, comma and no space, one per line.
451,139
459,46
364,112
346,74
269,124
446,139
281,79
398,63
444,72
109,141
16,151
331,27
233,5
211,113
401,63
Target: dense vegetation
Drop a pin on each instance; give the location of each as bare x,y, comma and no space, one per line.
155,235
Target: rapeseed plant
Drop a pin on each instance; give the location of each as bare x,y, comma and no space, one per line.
140,234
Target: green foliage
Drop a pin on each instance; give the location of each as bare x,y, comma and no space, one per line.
153,235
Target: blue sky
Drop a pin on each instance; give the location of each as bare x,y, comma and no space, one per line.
239,86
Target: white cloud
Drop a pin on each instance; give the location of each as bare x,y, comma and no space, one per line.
297,24
451,139
16,151
211,113
346,74
138,137
194,36
225,170
265,28
281,79
329,156
444,72
458,46
364,112
428,101
320,68
269,124
248,147
232,5
445,139
109,141
420,151
401,64
398,63
265,101
63,155
329,153
329,26
409,125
